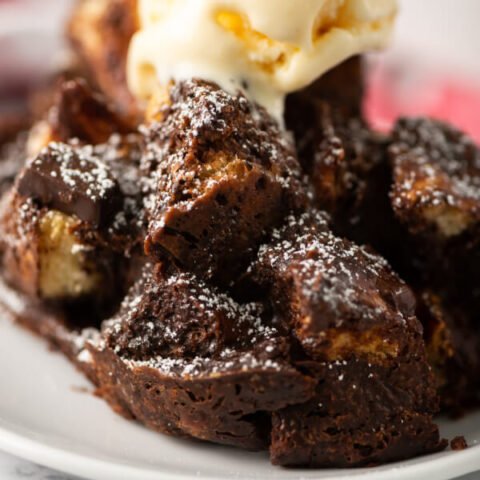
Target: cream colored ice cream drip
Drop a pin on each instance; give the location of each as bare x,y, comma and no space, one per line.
266,48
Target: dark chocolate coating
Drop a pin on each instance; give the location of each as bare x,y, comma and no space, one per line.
222,173
328,286
355,322
73,181
342,87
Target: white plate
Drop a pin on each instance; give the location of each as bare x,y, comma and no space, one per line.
48,415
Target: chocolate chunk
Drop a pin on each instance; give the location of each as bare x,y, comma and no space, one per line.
73,181
45,256
458,443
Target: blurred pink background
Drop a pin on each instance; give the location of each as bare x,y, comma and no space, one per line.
432,68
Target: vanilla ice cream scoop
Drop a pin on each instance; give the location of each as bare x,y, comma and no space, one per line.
266,48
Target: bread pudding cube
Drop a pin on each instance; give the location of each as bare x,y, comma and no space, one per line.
43,256
221,174
355,323
436,190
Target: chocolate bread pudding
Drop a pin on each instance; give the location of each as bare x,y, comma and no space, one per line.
229,252
222,174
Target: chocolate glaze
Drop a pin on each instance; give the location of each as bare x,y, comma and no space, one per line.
220,174
73,181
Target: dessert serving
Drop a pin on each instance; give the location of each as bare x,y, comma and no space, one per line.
198,215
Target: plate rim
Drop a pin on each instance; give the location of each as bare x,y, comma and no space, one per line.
67,461
71,458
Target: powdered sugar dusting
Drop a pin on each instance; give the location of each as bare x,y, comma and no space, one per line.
329,274
79,168
185,160
208,367
198,329
434,164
